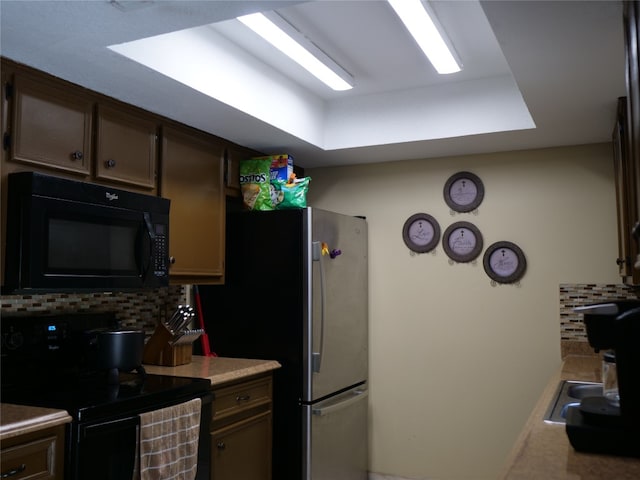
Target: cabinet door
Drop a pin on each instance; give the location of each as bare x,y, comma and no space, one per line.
624,191
632,45
233,155
192,168
125,148
51,128
242,450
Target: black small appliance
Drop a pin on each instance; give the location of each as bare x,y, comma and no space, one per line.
65,235
599,425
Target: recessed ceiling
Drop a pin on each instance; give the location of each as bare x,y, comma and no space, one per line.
536,74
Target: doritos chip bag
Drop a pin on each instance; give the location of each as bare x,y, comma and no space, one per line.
255,184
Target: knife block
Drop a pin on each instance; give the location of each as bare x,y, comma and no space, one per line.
159,351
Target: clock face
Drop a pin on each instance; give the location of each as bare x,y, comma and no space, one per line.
463,192
504,262
462,241
421,232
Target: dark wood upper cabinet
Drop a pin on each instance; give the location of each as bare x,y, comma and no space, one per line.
51,127
192,178
625,200
126,148
631,19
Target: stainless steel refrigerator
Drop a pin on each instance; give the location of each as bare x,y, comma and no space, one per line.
296,291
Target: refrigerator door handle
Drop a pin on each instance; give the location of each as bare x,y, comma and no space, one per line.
328,410
316,357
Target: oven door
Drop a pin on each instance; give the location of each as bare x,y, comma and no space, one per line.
104,451
107,450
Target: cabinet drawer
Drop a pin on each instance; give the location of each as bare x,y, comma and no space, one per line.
31,460
240,397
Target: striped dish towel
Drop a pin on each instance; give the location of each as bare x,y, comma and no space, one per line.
168,446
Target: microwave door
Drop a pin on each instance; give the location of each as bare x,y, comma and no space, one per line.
82,244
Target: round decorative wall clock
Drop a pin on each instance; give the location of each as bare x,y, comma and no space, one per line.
463,192
462,242
421,233
504,262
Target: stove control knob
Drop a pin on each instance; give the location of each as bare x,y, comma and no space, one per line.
15,340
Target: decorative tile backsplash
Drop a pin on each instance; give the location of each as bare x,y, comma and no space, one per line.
575,295
140,309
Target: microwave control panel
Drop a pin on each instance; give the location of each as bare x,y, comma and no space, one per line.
161,251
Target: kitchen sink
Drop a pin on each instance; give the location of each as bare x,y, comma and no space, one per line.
568,394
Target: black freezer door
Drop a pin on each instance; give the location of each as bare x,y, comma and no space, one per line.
296,292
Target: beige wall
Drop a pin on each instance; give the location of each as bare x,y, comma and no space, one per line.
456,364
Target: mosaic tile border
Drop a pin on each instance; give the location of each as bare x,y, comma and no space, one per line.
140,309
143,308
575,295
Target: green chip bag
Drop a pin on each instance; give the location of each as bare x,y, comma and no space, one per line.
255,184
293,195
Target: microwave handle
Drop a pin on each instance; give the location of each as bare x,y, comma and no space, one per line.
147,221
151,234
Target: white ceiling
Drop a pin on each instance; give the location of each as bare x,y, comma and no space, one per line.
536,74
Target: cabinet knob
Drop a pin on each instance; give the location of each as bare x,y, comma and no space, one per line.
172,260
623,261
111,163
77,155
221,446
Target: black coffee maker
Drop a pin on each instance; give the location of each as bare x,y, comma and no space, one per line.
597,425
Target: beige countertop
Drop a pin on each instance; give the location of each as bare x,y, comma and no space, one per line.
218,370
543,449
19,419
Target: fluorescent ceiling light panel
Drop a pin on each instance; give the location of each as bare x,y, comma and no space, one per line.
421,23
293,44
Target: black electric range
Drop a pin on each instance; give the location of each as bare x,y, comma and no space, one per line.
43,365
88,400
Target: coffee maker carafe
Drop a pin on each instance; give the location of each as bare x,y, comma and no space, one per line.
599,425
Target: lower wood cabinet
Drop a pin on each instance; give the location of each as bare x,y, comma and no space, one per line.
241,430
38,455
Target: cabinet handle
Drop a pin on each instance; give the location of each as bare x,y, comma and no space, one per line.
111,163
221,446
77,155
13,471
623,261
243,398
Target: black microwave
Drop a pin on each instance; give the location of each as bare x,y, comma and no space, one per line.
66,235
